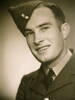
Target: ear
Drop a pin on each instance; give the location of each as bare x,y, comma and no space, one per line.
65,28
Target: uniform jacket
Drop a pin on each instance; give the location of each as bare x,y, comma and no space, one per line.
32,86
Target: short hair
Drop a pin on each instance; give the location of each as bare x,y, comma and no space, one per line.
57,11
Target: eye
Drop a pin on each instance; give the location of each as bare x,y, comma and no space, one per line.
45,28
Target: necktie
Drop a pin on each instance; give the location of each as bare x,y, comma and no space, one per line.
49,78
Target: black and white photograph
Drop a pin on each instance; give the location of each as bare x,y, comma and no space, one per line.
37,50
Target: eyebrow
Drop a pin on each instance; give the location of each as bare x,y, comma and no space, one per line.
41,25
46,23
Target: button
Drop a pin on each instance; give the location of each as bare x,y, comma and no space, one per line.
46,98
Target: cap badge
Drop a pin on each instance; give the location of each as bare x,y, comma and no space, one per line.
24,16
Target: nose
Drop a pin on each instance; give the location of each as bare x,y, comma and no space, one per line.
38,38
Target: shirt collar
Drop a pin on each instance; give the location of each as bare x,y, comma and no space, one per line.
60,65
57,69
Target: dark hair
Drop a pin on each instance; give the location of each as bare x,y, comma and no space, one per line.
57,11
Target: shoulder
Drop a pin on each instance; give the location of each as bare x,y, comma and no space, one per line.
72,60
30,76
27,80
71,63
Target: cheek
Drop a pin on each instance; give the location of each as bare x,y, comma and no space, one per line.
52,33
57,35
59,43
56,39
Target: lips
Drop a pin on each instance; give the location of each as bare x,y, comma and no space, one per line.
42,48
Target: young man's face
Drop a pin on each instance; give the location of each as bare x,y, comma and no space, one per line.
44,37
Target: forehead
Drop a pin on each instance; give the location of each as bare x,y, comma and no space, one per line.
39,16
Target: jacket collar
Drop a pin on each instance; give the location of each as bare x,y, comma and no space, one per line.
37,84
64,78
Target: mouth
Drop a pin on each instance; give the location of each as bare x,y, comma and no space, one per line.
42,48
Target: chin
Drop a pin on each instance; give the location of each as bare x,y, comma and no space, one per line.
44,59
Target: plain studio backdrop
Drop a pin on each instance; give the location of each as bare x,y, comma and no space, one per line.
15,56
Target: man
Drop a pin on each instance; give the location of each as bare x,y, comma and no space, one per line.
45,28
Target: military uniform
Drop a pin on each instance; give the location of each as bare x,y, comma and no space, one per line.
32,86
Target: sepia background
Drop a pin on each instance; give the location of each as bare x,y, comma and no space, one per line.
15,56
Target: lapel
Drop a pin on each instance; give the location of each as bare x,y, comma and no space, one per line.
64,78
37,84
